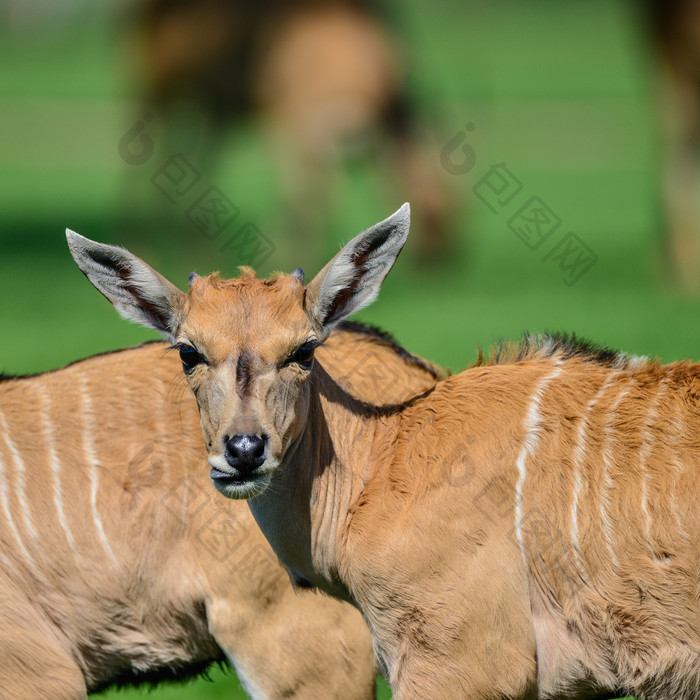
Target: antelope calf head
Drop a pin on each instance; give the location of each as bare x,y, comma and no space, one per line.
247,344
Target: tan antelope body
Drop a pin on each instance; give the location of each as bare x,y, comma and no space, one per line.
527,529
120,564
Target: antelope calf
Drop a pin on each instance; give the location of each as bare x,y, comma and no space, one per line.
118,564
525,529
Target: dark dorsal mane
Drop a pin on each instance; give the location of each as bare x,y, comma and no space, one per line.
559,345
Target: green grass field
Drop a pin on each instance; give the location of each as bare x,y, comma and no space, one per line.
560,92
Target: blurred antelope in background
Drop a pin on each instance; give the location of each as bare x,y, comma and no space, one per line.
525,529
119,565
325,78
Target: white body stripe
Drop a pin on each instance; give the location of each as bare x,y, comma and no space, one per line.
607,482
644,453
5,497
579,456
94,467
20,479
531,429
55,469
679,467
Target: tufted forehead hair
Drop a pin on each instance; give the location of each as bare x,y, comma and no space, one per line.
248,278
244,306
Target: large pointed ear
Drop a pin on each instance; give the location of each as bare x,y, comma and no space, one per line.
135,289
351,280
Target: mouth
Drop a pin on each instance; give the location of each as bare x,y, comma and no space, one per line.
239,486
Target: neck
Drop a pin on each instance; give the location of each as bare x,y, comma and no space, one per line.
306,513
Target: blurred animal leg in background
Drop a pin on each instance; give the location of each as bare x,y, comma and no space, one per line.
331,86
425,186
675,29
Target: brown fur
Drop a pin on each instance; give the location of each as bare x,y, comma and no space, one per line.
525,529
192,577
467,524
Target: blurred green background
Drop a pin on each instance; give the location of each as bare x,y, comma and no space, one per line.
561,92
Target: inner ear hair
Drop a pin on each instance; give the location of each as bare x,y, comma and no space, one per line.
352,279
136,290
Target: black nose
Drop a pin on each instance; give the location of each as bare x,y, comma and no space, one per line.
245,453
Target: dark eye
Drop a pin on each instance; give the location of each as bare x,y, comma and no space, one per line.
303,355
190,357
